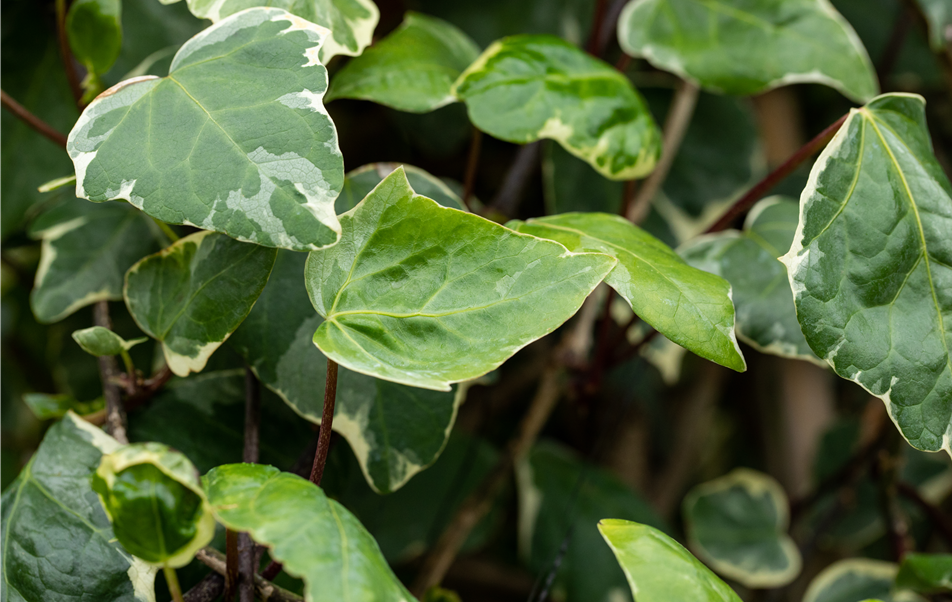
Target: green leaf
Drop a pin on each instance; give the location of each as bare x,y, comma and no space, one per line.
428,296
94,29
857,579
526,87
85,253
870,265
98,341
194,294
153,496
314,537
689,306
238,140
46,406
351,22
766,316
359,182
749,48
558,493
926,573
395,430
658,568
939,15
738,525
55,533
412,69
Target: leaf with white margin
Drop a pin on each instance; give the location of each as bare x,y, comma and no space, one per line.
235,139
748,48
658,568
427,296
55,532
313,536
351,22
766,316
526,87
412,69
85,252
194,294
395,430
359,182
738,525
691,307
871,265
858,579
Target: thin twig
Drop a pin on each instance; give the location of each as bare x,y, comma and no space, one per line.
472,162
675,126
886,469
206,590
245,545
938,517
510,193
231,564
67,55
32,120
265,590
598,21
887,61
108,372
327,420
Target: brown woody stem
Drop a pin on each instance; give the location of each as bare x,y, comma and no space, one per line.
32,120
327,420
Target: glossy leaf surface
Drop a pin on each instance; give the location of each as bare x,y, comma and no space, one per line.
97,341
870,265
766,316
658,568
926,573
525,87
315,538
427,296
690,307
738,525
192,295
362,180
394,430
239,141
412,69
154,500
55,533
746,48
857,579
94,29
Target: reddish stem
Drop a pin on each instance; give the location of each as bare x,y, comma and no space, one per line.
31,120
327,420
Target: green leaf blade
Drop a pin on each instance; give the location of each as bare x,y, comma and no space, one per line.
926,573
94,28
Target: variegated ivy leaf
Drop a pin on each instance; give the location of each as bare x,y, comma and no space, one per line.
527,87
747,48
194,294
871,265
314,537
55,534
858,579
153,497
766,316
738,525
238,140
351,22
98,341
85,253
412,69
362,180
395,430
423,295
689,306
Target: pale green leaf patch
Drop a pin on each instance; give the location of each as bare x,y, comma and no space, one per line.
236,138
939,16
194,294
94,30
314,537
98,341
858,579
738,525
926,573
748,48
527,87
691,307
57,183
423,295
46,406
871,265
412,69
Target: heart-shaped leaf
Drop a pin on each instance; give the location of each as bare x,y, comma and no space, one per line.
428,296
194,294
871,265
234,140
528,87
747,48
94,29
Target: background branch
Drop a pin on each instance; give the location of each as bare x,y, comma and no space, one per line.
108,373
32,120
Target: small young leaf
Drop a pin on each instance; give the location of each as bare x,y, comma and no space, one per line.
238,140
154,500
658,568
527,87
926,573
690,307
47,407
98,341
857,579
192,295
94,29
412,69
871,265
428,296
749,48
362,180
738,525
314,537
